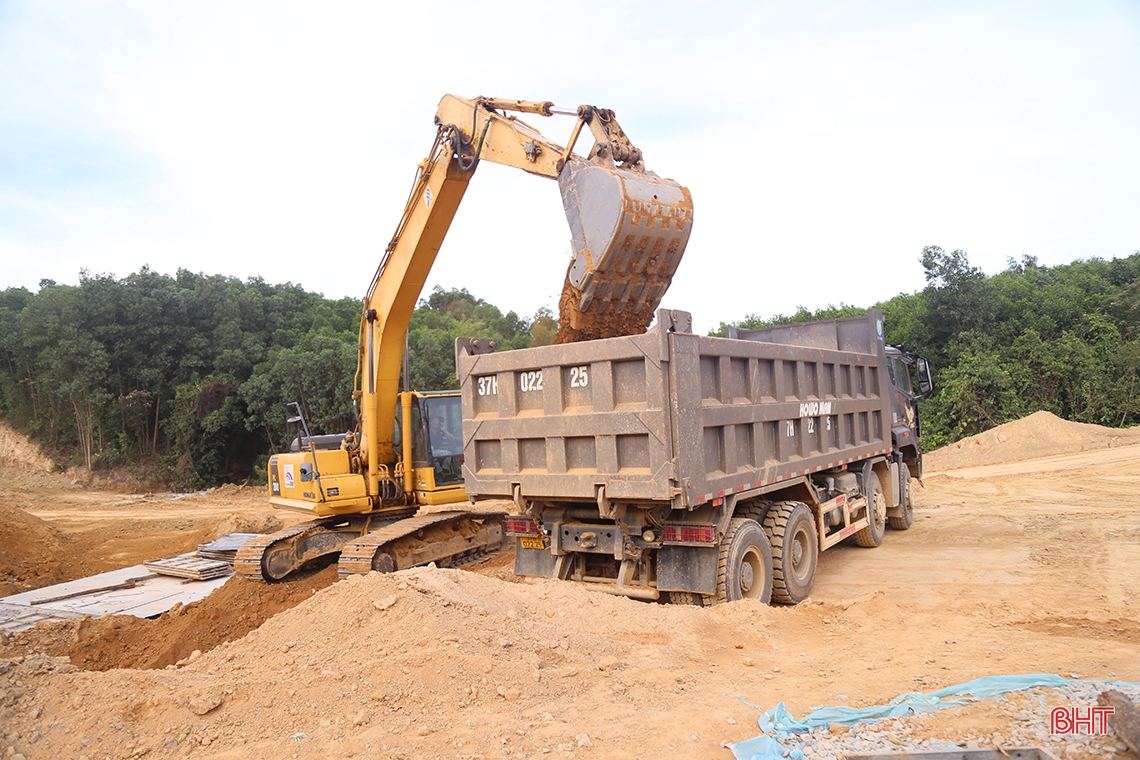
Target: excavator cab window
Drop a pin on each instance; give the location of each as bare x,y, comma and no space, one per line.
419,450
445,438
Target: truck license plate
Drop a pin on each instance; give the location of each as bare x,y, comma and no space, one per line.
531,543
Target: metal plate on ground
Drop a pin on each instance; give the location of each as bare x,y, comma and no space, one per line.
187,566
225,548
17,617
148,597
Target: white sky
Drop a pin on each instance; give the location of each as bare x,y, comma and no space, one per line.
825,143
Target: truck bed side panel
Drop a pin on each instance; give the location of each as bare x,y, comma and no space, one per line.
673,416
758,413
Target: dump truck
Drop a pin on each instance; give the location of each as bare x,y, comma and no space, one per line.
695,469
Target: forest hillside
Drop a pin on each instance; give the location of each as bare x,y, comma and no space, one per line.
183,380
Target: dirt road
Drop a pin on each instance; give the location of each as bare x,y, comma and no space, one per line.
1030,566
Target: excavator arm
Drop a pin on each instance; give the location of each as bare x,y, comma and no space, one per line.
629,229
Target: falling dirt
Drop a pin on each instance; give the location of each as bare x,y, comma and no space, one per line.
575,325
1027,566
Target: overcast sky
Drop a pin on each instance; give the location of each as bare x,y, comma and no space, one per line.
825,143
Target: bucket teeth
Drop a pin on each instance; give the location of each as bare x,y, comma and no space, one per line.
629,230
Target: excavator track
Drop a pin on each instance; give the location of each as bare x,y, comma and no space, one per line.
274,556
447,538
250,554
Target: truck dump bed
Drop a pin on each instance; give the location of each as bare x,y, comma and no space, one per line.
669,416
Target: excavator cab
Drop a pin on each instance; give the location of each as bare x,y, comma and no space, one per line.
436,422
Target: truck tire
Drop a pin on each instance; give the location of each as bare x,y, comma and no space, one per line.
790,526
872,535
745,567
685,598
754,510
904,521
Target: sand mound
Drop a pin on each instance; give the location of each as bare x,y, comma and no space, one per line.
403,659
17,451
1041,434
246,523
29,550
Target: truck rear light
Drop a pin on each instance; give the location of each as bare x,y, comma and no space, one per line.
522,526
690,534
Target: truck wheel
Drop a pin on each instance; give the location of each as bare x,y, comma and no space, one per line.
790,526
745,567
872,535
903,522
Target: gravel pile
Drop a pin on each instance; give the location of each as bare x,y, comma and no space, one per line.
1029,728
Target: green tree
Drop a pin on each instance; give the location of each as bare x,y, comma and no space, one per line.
801,314
317,373
976,393
71,365
449,314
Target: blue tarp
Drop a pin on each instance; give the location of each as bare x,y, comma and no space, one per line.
780,722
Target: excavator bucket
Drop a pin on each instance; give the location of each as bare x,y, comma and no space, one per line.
629,229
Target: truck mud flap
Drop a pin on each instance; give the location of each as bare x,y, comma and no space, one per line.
687,568
537,562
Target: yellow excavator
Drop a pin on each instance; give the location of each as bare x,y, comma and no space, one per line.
629,229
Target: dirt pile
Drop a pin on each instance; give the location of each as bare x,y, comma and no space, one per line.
421,662
447,663
30,550
19,452
1005,571
122,641
246,523
25,465
1041,434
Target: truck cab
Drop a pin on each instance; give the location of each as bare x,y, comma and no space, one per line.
904,369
